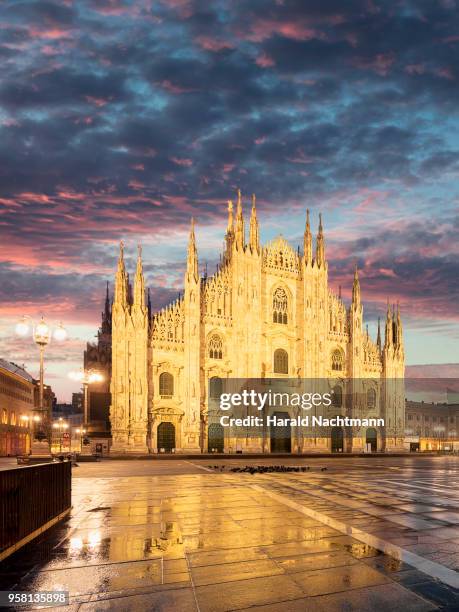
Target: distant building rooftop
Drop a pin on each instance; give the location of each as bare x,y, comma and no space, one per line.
15,369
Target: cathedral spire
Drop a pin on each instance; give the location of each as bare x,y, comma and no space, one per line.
320,247
254,233
107,301
139,281
121,280
378,339
388,335
356,288
399,337
229,237
239,230
192,257
107,314
307,241
230,227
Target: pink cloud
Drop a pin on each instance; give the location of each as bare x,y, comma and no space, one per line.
182,161
446,73
213,44
301,158
52,33
370,199
262,29
175,89
137,185
183,7
96,101
264,60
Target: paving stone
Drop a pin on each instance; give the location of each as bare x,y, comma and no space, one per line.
165,601
338,579
246,593
316,561
383,597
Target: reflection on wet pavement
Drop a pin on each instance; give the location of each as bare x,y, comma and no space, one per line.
211,541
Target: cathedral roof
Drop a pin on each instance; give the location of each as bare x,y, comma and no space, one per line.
278,254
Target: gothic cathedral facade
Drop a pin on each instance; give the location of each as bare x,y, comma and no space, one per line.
267,312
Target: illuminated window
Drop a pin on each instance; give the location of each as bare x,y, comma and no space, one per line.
4,417
280,361
13,418
337,360
166,385
215,347
280,305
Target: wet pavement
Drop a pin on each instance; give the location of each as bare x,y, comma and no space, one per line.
191,535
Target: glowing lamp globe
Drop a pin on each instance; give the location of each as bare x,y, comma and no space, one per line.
95,377
60,333
22,327
41,333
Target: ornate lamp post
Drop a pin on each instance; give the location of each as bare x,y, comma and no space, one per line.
42,335
86,377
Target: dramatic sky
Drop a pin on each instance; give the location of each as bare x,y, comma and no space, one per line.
121,119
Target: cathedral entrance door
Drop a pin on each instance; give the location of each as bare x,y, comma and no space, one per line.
372,439
337,440
166,437
215,438
281,437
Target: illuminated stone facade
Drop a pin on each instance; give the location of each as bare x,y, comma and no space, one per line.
267,312
17,397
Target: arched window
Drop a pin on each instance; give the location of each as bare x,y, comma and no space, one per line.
166,385
215,347
280,361
215,387
280,306
337,360
337,397
371,398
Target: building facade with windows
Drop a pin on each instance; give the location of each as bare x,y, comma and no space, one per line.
431,426
17,396
267,313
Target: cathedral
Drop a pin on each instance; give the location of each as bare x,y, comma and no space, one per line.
267,313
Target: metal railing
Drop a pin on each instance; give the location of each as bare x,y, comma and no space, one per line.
32,498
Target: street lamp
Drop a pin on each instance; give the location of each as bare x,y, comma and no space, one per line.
86,377
61,425
81,431
42,334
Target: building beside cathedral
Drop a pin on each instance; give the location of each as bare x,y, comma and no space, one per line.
267,313
98,358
